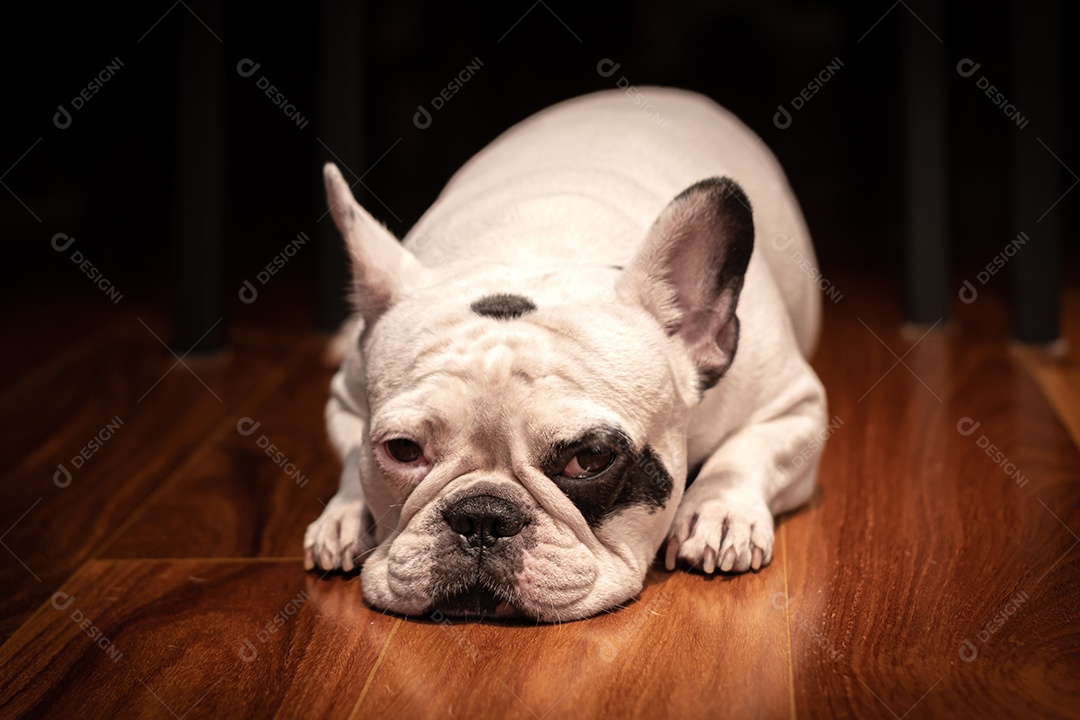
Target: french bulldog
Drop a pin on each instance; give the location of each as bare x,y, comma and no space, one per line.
589,312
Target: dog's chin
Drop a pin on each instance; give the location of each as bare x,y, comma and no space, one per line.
476,603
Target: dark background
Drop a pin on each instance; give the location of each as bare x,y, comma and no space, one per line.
109,180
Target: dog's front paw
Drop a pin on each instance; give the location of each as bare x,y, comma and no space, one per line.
343,534
727,533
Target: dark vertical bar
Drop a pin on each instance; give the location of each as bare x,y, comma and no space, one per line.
342,50
927,182
198,212
1036,267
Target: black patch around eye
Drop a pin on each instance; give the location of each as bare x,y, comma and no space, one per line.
637,477
503,306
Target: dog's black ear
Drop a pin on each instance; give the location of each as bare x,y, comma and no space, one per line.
383,270
690,271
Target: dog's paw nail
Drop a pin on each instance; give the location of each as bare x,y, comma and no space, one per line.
729,560
335,540
755,562
671,554
708,563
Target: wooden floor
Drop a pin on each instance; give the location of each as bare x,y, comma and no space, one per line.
936,575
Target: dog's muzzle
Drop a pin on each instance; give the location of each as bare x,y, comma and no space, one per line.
482,557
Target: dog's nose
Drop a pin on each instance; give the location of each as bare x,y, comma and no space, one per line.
483,519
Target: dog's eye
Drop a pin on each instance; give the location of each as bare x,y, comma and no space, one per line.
589,462
403,450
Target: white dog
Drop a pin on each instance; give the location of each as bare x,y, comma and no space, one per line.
589,311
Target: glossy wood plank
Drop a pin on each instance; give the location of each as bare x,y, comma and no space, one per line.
251,495
256,513
49,527
920,540
917,542
68,382
194,639
691,646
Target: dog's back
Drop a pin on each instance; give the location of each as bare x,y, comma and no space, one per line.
581,183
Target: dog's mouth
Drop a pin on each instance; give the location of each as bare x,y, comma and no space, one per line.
476,602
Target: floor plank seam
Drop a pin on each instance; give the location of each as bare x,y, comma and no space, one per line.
292,362
787,624
374,669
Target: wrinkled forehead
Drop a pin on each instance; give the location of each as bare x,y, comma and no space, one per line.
490,356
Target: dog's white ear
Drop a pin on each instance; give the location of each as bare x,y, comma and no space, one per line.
690,271
382,269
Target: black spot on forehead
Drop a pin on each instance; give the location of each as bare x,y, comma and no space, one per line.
503,306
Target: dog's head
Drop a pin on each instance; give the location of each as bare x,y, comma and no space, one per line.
526,444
